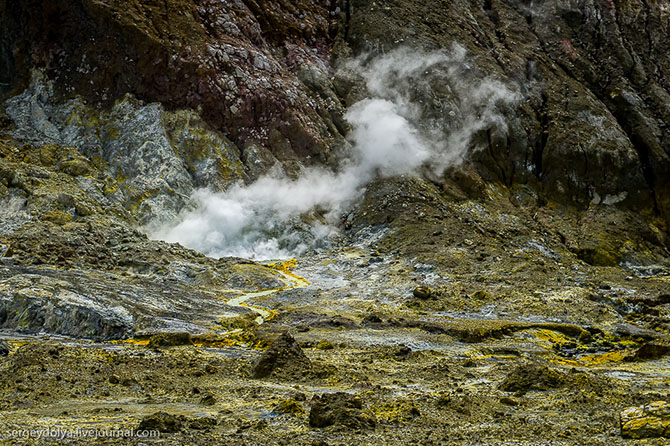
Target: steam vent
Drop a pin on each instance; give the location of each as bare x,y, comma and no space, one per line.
335,222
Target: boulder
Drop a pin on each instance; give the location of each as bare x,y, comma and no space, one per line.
283,358
654,349
4,348
648,421
422,292
170,339
342,410
532,377
162,422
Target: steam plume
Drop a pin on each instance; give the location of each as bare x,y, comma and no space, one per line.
393,133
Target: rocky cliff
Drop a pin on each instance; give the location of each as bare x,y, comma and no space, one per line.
592,128
595,80
238,63
262,81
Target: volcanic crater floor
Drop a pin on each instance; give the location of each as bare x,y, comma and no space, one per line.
379,351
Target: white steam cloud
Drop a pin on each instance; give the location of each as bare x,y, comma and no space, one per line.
423,111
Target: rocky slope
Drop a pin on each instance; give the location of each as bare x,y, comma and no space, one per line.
521,295
592,129
235,61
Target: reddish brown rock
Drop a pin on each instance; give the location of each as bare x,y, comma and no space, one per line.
236,61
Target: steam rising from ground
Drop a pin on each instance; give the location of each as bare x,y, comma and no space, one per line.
393,134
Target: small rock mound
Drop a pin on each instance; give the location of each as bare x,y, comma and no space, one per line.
532,377
342,410
283,358
170,339
654,349
289,407
371,319
208,399
325,344
400,411
4,348
168,423
162,422
649,421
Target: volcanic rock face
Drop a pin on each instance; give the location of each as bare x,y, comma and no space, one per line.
156,158
239,89
235,61
591,128
594,74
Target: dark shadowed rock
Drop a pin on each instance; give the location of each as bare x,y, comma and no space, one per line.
201,423
4,348
284,357
568,107
371,320
654,349
168,423
340,409
162,422
532,377
170,339
422,292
